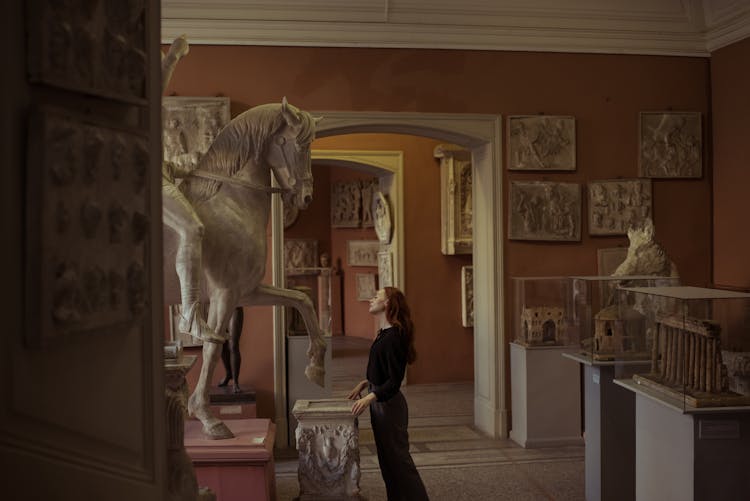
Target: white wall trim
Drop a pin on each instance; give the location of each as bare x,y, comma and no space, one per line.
482,135
667,27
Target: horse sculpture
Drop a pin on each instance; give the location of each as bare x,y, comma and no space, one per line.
230,193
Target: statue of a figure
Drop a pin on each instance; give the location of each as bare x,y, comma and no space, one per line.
179,215
230,353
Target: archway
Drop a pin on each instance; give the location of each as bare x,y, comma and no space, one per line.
481,134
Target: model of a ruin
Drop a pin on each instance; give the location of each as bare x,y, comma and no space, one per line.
686,359
618,335
543,325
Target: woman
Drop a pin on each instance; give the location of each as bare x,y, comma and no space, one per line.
392,349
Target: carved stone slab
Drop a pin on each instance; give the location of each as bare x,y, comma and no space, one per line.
366,286
538,142
456,212
87,205
95,47
385,269
541,210
616,205
670,144
191,124
328,444
346,204
381,210
362,252
300,253
467,296
368,188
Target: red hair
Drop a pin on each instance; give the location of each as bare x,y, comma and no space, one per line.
398,314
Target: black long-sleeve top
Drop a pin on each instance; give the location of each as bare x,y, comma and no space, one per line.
387,364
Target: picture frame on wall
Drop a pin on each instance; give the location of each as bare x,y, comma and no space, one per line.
670,144
546,211
618,204
541,142
362,252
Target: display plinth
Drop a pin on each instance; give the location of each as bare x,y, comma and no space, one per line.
328,443
609,415
227,404
546,397
239,468
688,453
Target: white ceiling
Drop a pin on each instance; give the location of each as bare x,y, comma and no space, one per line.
667,27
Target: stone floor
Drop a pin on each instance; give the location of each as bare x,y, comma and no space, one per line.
456,461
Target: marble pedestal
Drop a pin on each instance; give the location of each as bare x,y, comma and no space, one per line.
686,454
328,444
239,468
545,397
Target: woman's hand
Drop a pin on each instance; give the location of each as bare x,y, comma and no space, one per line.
362,404
356,393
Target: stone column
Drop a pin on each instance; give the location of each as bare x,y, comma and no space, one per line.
182,484
328,444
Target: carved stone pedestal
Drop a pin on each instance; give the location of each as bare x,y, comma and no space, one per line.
328,444
182,483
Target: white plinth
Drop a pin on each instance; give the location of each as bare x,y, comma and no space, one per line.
545,397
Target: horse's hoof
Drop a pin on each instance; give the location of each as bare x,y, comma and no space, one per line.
217,431
316,375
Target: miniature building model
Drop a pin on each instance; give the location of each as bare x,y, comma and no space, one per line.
543,325
611,337
686,356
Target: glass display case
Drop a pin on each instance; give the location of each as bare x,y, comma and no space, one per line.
598,322
541,313
690,333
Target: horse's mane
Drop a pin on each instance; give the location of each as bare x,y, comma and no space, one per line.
244,138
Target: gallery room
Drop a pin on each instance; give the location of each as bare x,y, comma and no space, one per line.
211,211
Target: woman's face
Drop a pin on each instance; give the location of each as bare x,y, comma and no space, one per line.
378,302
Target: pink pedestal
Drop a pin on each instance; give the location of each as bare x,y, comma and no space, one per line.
237,469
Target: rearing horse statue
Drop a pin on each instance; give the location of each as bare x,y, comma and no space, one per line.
230,192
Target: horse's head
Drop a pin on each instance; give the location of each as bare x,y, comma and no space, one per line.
289,155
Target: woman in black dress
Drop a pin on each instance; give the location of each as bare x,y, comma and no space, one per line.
392,349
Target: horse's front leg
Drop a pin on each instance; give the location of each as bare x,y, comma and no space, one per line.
200,400
270,295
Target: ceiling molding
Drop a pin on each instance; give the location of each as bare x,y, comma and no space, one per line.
666,27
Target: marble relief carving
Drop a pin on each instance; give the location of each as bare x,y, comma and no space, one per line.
539,142
353,203
616,205
541,210
346,204
456,209
96,47
381,210
300,253
362,252
92,267
671,145
328,445
366,286
190,125
385,268
467,296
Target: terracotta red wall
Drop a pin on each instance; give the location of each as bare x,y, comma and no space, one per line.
730,81
604,93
